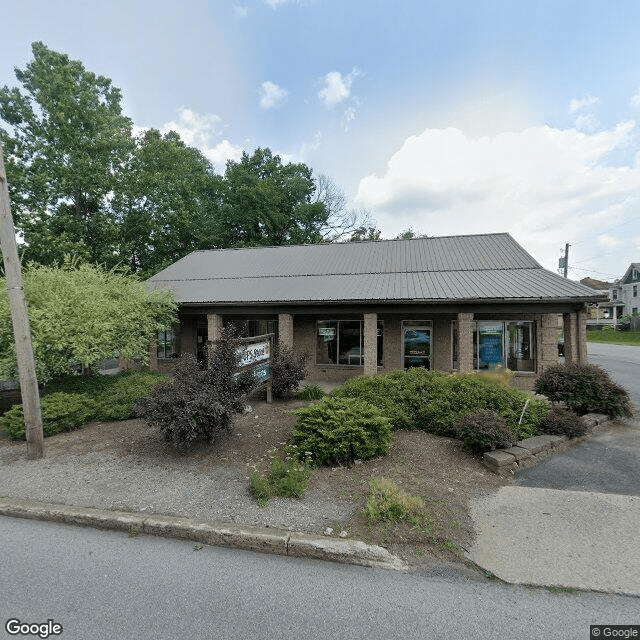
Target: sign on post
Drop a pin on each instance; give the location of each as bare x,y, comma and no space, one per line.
255,354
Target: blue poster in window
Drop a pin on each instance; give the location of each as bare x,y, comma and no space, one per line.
491,344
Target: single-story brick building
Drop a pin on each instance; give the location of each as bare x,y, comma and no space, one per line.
457,303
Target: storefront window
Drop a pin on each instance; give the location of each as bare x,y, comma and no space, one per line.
166,344
508,344
342,342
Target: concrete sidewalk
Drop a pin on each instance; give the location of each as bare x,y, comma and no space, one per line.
549,537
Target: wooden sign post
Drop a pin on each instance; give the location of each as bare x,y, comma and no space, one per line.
255,354
21,328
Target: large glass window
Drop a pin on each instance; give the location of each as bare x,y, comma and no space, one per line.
342,342
508,344
166,344
416,341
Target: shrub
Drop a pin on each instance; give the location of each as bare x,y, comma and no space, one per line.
198,404
433,401
483,431
60,412
340,430
311,392
584,389
117,400
388,502
287,479
288,369
562,422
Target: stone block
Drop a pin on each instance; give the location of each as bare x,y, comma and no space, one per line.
502,470
518,452
536,444
498,458
525,463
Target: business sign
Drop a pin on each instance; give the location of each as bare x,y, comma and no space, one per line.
327,332
253,353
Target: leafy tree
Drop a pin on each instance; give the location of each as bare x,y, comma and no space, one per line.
66,139
365,233
82,314
165,204
267,203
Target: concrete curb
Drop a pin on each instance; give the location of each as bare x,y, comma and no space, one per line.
262,540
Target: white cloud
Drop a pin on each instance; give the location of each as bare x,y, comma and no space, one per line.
608,241
240,11
336,87
271,95
348,117
545,186
204,132
635,99
578,105
307,147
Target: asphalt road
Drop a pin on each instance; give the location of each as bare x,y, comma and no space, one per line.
105,585
608,462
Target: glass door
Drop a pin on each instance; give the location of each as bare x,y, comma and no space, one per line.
416,345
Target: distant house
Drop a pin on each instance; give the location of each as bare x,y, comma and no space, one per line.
624,292
602,313
458,303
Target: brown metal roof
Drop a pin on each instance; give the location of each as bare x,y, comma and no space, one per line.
456,268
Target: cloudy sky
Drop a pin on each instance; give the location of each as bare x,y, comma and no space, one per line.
446,116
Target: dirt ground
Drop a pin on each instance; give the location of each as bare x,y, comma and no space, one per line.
437,469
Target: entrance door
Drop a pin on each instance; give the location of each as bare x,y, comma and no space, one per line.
416,341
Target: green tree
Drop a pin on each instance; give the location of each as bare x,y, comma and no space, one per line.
65,142
81,314
267,203
166,203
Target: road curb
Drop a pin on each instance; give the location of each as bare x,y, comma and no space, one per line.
261,540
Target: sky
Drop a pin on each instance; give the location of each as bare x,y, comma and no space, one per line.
447,117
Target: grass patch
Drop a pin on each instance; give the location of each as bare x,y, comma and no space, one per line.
285,478
614,337
559,590
311,392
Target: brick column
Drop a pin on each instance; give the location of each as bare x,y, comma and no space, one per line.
370,344
465,342
546,341
581,336
214,327
570,325
285,330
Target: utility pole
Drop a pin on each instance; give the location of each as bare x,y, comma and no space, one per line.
21,328
563,263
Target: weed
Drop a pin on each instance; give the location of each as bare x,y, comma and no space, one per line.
134,533
311,392
490,576
388,502
197,547
285,478
559,590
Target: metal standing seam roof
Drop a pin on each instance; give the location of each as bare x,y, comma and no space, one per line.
454,268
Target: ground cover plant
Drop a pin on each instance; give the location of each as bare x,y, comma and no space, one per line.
484,430
311,392
433,401
71,401
340,430
563,422
584,388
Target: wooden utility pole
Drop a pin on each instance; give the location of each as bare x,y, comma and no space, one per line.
566,260
20,319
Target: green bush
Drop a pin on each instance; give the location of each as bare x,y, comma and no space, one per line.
60,412
117,400
584,388
434,401
483,430
388,502
563,422
288,369
311,392
287,479
340,430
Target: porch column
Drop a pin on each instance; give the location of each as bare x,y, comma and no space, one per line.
581,337
570,327
214,327
465,342
547,326
285,330
370,344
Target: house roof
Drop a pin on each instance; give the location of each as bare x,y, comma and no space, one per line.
627,277
457,268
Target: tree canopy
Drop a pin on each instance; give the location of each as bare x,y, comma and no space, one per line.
81,314
82,185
